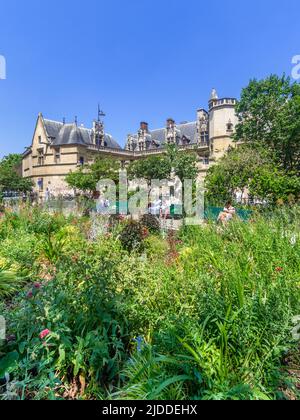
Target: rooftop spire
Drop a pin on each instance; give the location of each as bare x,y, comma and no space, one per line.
214,95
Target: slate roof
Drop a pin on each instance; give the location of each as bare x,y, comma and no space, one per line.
186,130
70,134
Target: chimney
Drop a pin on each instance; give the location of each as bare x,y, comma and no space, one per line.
145,126
170,122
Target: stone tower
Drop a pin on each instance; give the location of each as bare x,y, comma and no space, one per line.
222,122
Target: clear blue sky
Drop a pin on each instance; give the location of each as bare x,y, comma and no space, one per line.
141,59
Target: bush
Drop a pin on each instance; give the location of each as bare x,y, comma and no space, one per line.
133,235
150,222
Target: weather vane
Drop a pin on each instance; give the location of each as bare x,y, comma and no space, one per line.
101,114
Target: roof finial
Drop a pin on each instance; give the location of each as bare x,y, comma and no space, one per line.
64,121
76,120
214,95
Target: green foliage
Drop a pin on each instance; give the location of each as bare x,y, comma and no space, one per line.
184,166
212,322
87,177
151,222
133,235
10,175
153,167
269,116
9,283
254,170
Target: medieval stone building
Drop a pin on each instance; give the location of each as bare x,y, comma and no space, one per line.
58,148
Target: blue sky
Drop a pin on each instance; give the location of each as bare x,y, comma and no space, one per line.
141,59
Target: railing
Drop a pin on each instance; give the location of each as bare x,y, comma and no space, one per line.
138,153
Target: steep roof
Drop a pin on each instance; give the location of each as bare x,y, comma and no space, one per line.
67,134
184,131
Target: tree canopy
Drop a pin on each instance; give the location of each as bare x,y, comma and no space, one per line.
254,170
87,177
269,118
183,165
10,175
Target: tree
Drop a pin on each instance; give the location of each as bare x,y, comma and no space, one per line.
253,169
269,118
87,177
183,165
153,167
10,175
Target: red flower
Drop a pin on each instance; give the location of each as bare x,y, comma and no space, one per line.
44,334
279,270
145,233
37,285
30,295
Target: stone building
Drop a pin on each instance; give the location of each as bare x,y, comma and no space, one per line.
58,148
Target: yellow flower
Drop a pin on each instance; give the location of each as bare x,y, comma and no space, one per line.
3,262
186,252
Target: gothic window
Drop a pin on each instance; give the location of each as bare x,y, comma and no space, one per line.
41,157
40,139
81,160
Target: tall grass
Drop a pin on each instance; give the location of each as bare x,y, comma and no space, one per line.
10,283
222,315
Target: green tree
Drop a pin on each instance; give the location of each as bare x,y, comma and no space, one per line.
86,178
269,117
252,169
153,167
11,175
184,165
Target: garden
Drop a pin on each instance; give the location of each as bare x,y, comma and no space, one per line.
111,308
96,307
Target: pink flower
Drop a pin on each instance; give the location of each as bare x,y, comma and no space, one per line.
30,295
44,334
37,285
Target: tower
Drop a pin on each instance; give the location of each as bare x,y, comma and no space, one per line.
222,122
98,130
202,127
143,137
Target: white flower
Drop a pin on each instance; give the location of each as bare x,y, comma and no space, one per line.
293,240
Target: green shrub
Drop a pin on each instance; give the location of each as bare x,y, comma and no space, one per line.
133,235
9,283
150,222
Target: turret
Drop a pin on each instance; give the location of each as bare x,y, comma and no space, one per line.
222,122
